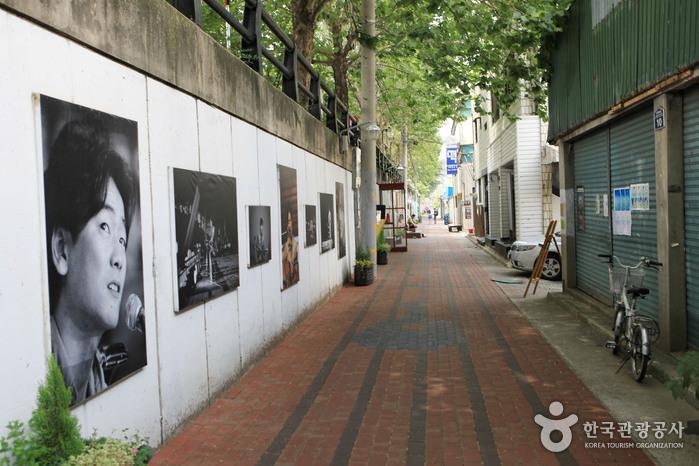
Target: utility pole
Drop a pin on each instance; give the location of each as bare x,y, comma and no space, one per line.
368,190
404,154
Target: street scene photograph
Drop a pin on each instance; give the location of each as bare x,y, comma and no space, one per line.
350,232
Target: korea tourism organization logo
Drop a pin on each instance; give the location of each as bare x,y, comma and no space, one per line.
606,434
549,426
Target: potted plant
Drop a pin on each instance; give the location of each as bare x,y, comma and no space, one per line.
363,267
382,248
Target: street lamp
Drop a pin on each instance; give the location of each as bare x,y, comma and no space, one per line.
370,133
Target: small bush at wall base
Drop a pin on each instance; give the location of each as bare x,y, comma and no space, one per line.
53,437
109,451
54,434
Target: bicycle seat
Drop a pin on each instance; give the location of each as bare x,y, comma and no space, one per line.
636,292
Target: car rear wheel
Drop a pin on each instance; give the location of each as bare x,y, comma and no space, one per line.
552,268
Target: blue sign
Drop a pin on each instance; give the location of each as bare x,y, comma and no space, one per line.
452,163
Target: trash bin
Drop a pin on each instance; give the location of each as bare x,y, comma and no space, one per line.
446,218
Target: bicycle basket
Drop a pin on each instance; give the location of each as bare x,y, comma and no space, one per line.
617,277
651,326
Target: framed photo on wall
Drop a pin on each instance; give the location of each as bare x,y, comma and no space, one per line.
206,231
340,198
93,245
327,222
311,226
288,200
259,234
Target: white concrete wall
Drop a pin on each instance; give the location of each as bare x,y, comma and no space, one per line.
194,355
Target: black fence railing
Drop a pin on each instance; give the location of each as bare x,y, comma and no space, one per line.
322,101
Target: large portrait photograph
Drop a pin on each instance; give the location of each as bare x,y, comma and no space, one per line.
259,234
327,223
340,200
206,232
311,226
93,245
288,197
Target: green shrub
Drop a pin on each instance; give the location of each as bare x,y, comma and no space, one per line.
54,434
53,437
129,450
362,258
381,244
688,370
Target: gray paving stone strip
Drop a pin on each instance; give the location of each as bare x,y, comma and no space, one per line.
343,452
565,457
276,448
484,434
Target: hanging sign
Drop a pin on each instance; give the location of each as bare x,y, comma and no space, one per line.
452,164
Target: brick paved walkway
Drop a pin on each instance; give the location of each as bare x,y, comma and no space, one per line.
432,364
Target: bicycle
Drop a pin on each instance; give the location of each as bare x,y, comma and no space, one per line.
632,331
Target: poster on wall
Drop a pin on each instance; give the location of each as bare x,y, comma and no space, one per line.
621,215
327,223
311,226
340,199
640,196
94,245
259,234
288,197
206,232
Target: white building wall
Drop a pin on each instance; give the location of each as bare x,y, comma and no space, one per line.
192,355
528,181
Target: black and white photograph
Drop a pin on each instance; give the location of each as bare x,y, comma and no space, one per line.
311,226
288,198
340,199
327,222
93,245
206,231
259,234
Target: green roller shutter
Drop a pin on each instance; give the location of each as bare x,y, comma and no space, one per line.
592,235
632,155
691,211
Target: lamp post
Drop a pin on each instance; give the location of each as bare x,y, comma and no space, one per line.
368,194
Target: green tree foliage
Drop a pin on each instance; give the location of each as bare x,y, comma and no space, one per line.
432,57
500,46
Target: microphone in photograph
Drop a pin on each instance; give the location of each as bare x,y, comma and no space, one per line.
135,318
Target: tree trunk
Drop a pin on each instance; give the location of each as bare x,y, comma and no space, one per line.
305,18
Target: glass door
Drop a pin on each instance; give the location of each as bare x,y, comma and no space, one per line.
393,198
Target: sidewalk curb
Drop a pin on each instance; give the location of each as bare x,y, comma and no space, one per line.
597,316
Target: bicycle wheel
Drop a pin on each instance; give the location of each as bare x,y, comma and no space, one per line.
619,326
639,361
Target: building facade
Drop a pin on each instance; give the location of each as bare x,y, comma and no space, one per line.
624,112
515,196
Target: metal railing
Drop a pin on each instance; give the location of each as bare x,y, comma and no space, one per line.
322,101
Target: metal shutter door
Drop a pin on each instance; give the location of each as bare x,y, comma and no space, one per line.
632,152
691,211
590,171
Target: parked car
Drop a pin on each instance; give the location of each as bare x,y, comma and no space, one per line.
523,254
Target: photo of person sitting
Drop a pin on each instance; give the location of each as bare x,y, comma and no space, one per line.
260,241
412,223
89,196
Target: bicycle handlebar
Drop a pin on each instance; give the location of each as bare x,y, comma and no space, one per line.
645,261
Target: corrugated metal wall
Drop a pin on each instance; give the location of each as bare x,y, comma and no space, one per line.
592,234
637,45
691,211
632,152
